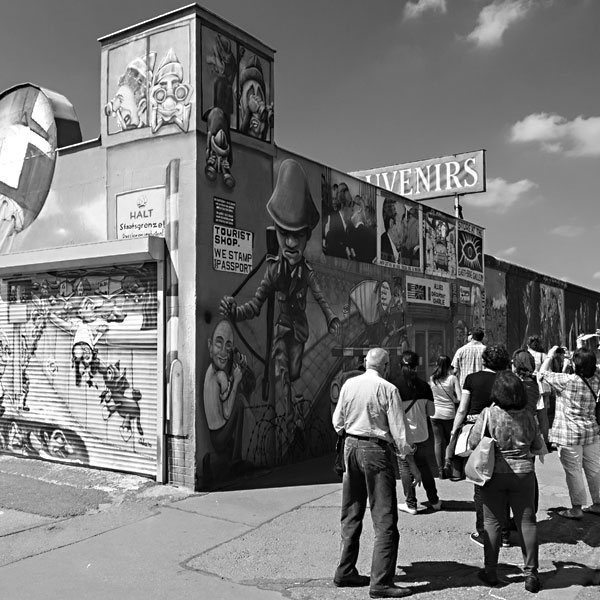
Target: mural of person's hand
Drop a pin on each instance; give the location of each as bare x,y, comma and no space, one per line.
237,373
227,306
335,327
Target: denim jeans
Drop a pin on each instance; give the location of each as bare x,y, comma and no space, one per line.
577,460
518,489
369,475
406,477
441,435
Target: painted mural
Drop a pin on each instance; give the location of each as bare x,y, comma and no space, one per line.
582,314
237,88
399,233
349,226
288,278
495,306
28,141
78,367
439,232
148,83
470,252
552,316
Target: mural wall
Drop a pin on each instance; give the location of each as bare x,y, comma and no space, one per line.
303,316
78,353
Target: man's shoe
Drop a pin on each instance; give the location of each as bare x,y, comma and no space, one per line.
407,509
436,506
352,581
487,579
477,539
532,584
392,591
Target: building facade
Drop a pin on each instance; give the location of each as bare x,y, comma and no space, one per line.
182,299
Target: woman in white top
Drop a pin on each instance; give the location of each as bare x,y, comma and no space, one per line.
446,395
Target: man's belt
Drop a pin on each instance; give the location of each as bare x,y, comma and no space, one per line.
364,438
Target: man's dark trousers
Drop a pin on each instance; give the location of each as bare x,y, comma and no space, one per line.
369,474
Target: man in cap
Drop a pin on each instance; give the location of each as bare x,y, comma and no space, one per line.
289,276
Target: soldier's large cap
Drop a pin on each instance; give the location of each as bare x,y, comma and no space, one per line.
291,205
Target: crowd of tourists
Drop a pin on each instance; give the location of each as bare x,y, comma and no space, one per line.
404,428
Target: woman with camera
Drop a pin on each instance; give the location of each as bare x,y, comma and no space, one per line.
575,430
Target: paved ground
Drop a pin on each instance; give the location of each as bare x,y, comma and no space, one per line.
74,533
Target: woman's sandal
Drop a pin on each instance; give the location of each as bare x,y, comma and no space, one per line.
568,514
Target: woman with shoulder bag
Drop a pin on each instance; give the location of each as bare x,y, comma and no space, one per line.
575,429
475,397
446,395
518,439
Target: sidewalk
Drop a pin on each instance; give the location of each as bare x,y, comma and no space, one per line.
275,536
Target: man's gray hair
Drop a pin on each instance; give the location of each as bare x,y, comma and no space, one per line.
377,358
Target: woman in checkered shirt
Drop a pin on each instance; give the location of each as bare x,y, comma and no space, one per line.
575,430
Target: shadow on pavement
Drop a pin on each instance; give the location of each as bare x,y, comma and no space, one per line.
557,529
444,575
317,471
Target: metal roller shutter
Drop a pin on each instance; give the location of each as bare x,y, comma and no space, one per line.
78,366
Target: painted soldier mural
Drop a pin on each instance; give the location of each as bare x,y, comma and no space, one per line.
288,277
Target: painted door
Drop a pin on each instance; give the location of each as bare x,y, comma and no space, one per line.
78,367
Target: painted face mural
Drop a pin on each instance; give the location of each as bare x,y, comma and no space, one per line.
129,105
169,96
28,142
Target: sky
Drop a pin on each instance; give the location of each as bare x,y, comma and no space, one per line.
360,85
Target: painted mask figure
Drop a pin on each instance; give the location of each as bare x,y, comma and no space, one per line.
256,116
129,104
219,156
169,96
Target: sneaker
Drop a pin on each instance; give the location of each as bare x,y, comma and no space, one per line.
477,539
407,509
436,506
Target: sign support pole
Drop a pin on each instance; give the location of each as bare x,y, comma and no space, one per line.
457,207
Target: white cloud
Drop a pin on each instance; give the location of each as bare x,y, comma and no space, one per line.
500,195
555,134
508,251
495,18
416,8
568,231
596,275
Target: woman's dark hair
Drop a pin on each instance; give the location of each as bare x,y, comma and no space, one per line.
442,367
523,363
584,361
408,365
496,357
535,343
508,391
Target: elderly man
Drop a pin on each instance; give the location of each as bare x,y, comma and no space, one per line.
369,411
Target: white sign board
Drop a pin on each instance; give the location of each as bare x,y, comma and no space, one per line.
427,291
141,213
431,178
232,249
